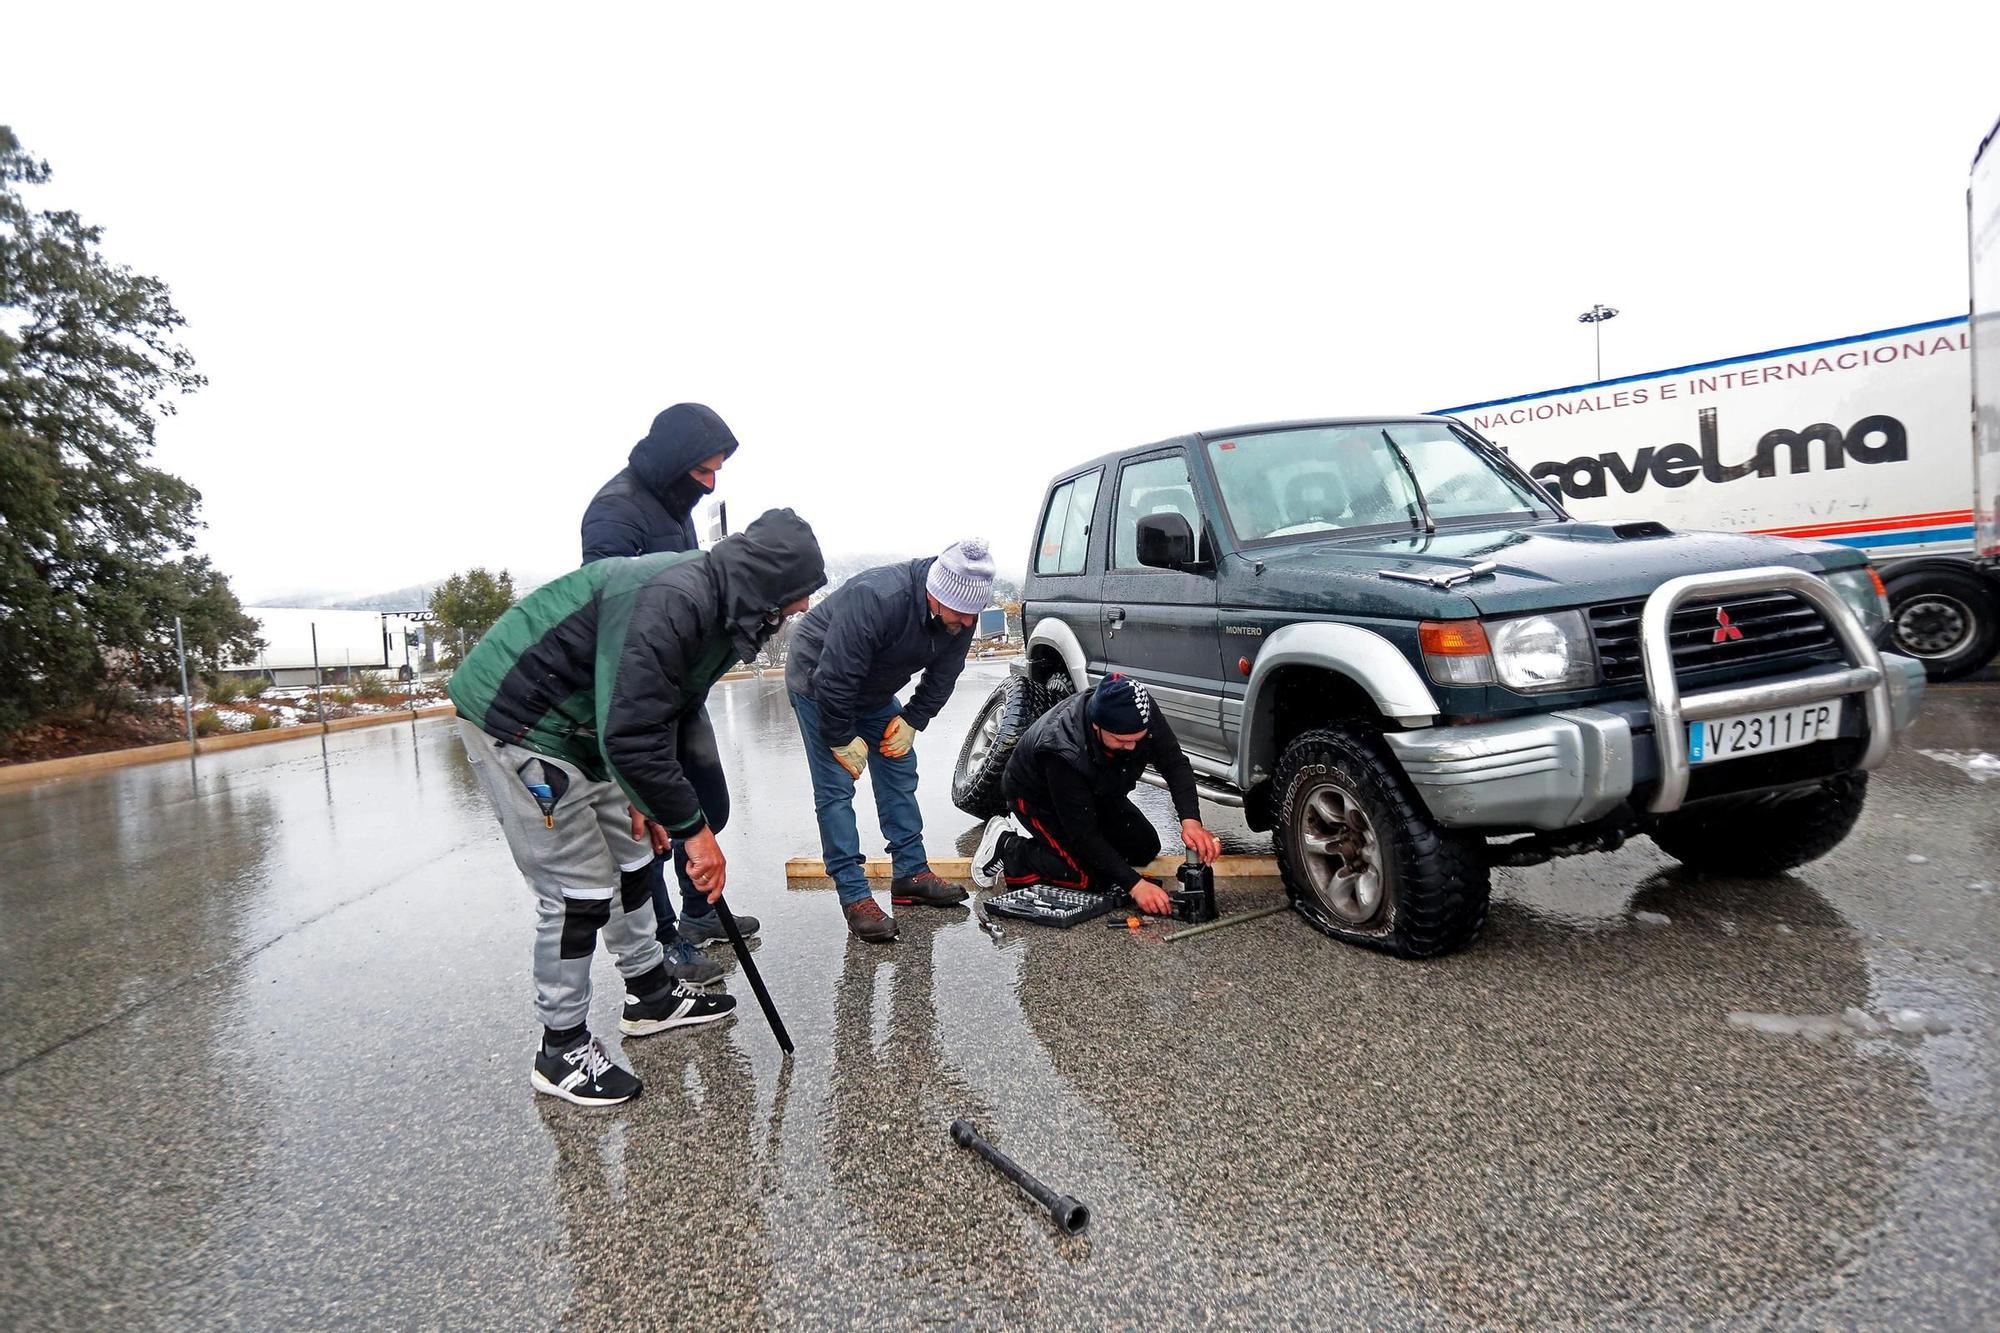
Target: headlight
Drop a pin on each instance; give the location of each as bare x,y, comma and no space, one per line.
1865,596
1546,652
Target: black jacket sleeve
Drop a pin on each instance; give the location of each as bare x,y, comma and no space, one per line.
1170,761
612,527
639,710
940,675
844,658
1076,812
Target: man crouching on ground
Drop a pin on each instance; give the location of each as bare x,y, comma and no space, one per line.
570,708
849,656
1071,823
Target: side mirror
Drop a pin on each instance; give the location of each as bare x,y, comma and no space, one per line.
1165,542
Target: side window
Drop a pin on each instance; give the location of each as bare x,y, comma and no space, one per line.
1156,486
1066,526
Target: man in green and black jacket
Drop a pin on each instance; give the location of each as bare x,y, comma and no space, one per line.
569,708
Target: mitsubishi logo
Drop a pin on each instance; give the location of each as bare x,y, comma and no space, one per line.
1724,631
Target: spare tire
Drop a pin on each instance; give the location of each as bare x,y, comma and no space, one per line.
982,760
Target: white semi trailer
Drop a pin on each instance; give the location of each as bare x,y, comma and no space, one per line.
1862,441
346,641
1982,229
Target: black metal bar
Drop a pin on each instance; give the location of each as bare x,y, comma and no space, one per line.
756,979
1069,1214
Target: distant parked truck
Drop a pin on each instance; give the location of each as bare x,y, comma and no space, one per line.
1861,441
1982,227
348,641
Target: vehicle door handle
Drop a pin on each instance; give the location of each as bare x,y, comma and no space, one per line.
1114,616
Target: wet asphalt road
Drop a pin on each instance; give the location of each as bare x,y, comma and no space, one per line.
269,1035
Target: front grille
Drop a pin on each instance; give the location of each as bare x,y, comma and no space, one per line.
1775,626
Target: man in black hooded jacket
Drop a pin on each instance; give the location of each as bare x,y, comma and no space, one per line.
1070,821
649,507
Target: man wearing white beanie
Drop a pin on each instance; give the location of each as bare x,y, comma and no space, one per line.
850,656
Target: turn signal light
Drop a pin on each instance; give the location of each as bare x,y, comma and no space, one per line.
1453,638
1456,652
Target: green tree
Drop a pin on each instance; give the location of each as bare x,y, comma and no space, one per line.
466,605
95,558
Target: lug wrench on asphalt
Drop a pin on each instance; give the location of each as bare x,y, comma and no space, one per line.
1069,1215
756,979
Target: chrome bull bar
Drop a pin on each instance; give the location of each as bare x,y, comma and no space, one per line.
1672,711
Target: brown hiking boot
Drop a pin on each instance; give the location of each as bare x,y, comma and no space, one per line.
925,889
870,922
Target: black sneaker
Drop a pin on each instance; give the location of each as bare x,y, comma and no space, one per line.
989,859
705,931
683,1006
583,1074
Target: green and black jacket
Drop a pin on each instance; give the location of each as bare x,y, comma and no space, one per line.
598,667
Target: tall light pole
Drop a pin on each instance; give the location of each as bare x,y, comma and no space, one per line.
1595,317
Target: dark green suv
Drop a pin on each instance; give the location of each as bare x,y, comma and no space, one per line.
1399,654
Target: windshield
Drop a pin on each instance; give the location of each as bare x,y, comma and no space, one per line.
1289,483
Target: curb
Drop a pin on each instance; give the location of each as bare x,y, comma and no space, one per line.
47,770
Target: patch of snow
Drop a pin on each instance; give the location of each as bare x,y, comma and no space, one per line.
1975,764
235,718
1850,1022
1981,886
1917,860
1915,1022
1814,1027
1654,919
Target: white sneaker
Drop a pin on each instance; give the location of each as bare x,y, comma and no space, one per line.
987,864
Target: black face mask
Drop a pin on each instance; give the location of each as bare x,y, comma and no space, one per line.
685,493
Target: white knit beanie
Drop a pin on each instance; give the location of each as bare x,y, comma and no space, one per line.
962,577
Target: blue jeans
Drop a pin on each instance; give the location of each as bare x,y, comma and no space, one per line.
895,784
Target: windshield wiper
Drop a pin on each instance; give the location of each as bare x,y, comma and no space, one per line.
1430,527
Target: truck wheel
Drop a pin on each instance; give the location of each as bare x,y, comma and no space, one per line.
1948,619
982,760
1764,835
1058,686
1362,859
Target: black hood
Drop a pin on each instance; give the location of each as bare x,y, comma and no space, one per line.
681,436
774,561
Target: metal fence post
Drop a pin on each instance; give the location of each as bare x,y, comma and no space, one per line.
187,699
318,702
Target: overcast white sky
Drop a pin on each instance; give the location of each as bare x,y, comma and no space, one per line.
442,268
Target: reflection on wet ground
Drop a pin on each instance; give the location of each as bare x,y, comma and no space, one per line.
270,1027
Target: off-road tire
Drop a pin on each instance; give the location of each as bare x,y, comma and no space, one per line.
1434,881
975,786
1768,834
1058,686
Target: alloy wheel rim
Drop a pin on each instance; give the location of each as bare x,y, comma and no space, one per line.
984,736
1340,854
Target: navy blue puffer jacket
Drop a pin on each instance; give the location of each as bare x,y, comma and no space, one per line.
649,505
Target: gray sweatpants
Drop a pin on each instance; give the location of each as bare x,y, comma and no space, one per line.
573,870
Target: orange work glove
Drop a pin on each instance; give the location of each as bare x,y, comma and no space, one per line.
853,756
897,738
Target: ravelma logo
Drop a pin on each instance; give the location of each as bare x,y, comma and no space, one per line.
1874,439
